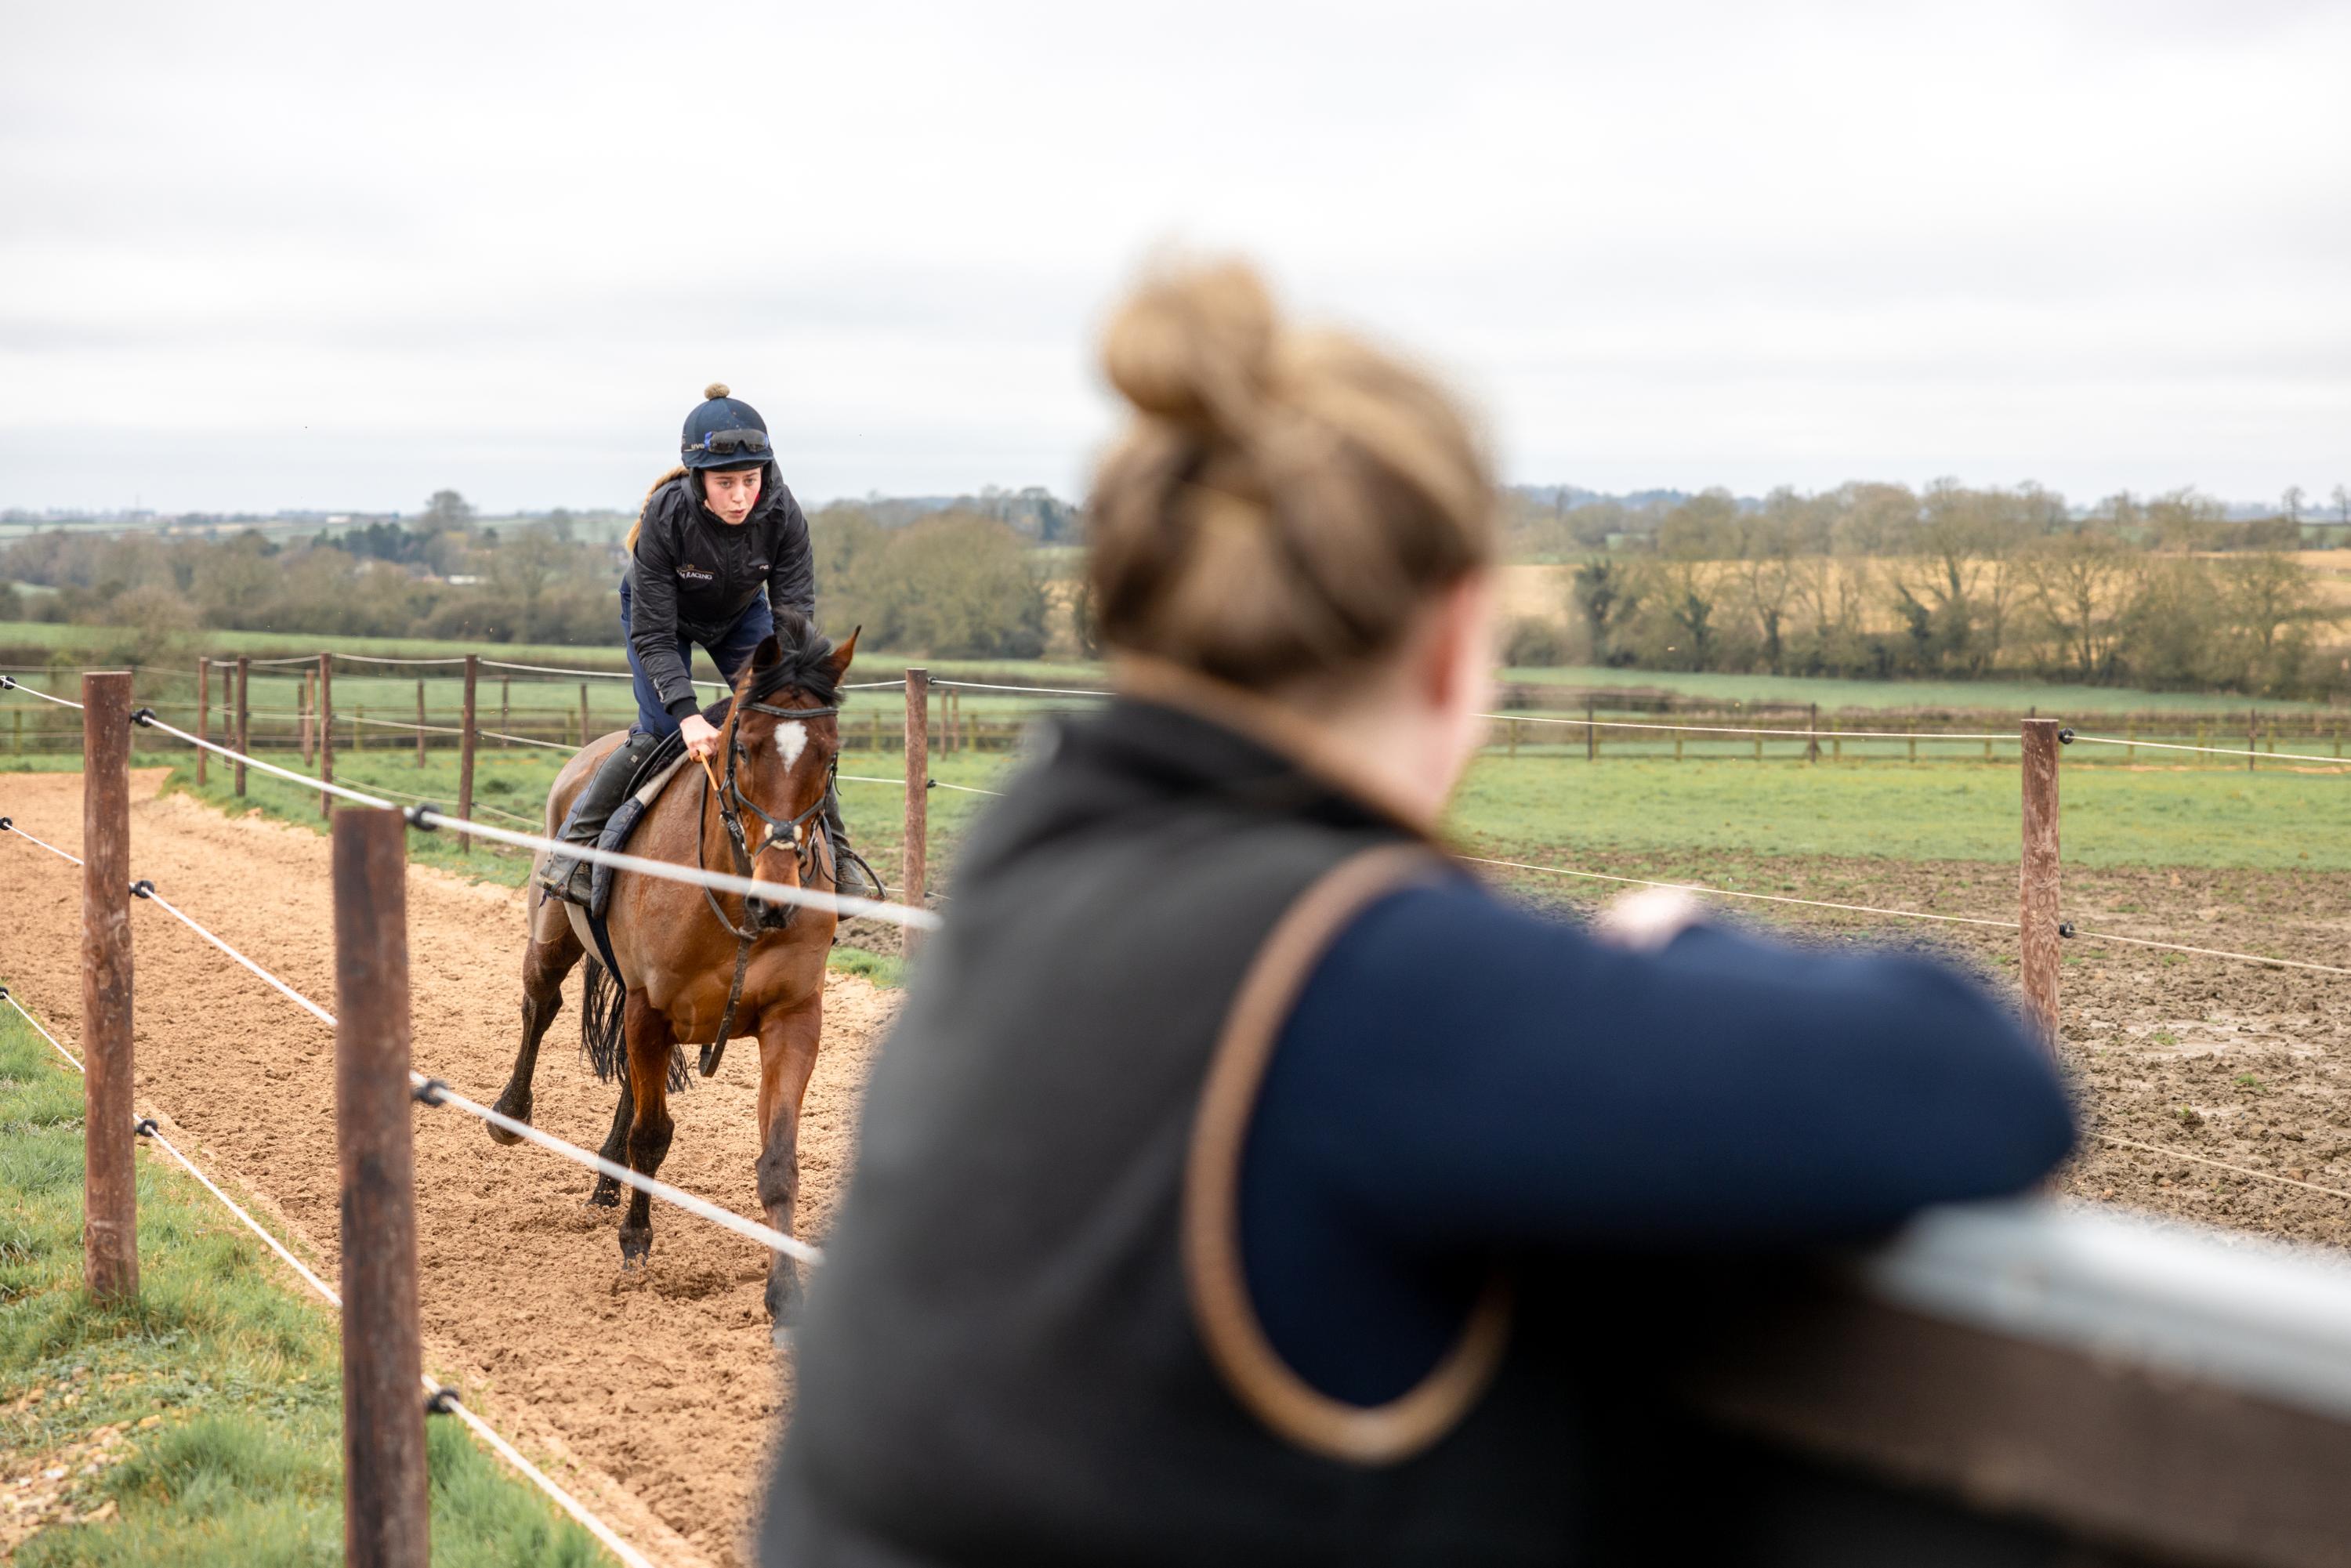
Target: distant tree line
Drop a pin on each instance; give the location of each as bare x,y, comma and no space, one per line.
953,582
1879,580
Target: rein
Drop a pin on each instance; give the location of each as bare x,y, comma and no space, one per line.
796,829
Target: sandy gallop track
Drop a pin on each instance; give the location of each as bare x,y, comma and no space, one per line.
662,1396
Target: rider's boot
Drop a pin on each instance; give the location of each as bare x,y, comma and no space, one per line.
568,878
851,877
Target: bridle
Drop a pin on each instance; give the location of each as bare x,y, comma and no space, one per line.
758,919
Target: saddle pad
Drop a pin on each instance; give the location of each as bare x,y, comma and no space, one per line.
625,817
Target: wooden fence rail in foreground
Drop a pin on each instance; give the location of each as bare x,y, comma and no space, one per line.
2146,1391
384,1508
110,1178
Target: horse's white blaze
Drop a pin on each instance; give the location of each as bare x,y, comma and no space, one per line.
791,739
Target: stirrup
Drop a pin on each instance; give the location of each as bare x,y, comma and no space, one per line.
844,858
576,884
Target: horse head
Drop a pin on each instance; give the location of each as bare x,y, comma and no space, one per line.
780,766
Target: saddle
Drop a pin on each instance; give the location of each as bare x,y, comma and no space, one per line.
645,784
651,776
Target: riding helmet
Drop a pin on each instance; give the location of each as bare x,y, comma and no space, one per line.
724,432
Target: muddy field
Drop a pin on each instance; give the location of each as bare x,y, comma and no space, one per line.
659,1401
2192,1056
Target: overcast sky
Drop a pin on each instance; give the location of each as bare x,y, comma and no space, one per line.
325,256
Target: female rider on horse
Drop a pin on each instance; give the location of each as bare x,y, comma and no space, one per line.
718,549
1243,1182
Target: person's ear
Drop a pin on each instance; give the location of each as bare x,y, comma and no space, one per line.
1456,661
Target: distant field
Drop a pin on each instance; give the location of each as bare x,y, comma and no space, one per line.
1993,696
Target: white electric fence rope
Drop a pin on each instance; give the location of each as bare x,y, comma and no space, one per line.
438,1093
587,675
456,1406
371,659
2213,751
1911,915
10,684
1037,691
1737,729
36,1023
722,881
726,1219
1734,892
43,842
2209,1160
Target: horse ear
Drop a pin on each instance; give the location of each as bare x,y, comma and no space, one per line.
768,653
842,654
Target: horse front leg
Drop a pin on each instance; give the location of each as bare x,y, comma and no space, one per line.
649,1039
787,1046
606,1194
544,963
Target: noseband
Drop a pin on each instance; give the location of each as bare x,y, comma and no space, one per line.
758,919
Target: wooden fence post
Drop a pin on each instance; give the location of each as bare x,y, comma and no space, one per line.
327,732
1813,743
109,1210
244,715
583,713
2252,735
306,710
2038,915
1591,734
465,757
918,784
384,1508
420,724
204,715
506,708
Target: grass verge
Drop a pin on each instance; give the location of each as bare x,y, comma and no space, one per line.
201,1424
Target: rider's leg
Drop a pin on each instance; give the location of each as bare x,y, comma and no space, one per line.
593,807
851,875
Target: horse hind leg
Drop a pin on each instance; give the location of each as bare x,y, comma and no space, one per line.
650,1043
545,965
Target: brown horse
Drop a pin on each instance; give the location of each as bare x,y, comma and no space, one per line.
677,959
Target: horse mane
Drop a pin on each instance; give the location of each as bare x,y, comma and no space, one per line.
806,663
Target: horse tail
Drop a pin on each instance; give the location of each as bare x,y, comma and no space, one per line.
603,1007
603,1004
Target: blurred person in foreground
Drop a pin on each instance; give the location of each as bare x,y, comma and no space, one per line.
1243,1182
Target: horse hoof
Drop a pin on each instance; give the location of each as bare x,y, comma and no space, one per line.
605,1194
635,1248
779,1334
500,1135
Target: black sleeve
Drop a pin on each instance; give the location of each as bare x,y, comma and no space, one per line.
791,572
653,611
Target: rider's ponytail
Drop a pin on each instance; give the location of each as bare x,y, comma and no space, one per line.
1284,501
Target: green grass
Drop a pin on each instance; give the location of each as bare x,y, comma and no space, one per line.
237,1378
2113,817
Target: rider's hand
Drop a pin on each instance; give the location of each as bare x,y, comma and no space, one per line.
701,738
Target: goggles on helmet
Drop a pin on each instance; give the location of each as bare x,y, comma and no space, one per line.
726,442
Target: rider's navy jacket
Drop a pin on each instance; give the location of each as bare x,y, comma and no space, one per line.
692,576
1241,1182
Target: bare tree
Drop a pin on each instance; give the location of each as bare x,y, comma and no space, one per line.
2082,584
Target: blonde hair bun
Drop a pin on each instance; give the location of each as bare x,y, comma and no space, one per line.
1284,502
714,390
1194,348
